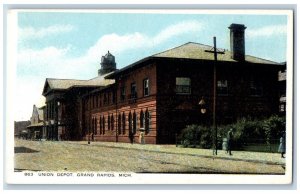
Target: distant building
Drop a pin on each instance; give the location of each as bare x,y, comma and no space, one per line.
21,129
156,97
36,127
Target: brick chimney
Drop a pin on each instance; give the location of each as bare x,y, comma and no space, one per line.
237,41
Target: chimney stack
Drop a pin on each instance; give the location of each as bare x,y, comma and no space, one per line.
237,41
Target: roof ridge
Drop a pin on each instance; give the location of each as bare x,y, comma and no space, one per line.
261,58
170,49
65,79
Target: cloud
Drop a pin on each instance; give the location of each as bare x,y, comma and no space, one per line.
34,66
34,33
118,43
177,29
267,31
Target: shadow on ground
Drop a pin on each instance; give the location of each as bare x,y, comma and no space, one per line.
24,150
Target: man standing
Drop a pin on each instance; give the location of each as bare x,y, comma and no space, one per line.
229,141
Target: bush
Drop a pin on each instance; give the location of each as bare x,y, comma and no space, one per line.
273,128
195,135
246,132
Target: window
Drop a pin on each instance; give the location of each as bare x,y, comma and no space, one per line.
95,131
97,100
222,87
123,123
256,88
100,122
134,123
113,97
119,124
183,85
108,123
133,91
91,126
147,121
103,125
142,120
108,98
105,99
146,87
130,122
112,122
100,102
122,96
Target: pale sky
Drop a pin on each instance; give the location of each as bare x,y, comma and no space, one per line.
70,45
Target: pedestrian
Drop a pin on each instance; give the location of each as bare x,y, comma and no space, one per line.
281,148
131,137
229,141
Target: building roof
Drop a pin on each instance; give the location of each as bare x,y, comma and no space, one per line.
195,51
65,84
36,125
41,113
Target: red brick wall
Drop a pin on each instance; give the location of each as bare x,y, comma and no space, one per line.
141,104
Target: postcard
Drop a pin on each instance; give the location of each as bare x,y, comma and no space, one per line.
149,96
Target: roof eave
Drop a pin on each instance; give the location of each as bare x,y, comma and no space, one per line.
128,68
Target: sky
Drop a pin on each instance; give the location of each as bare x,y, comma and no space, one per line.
70,45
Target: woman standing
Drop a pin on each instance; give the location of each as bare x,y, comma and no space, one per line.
281,147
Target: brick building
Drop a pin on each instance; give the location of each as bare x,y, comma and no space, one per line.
156,97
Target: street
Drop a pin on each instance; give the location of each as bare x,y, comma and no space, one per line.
116,157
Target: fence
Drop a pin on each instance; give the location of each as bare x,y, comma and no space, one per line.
256,145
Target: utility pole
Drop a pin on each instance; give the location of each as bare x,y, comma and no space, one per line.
216,52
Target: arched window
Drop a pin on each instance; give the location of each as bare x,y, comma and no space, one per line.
119,124
103,129
112,122
92,126
142,119
123,123
147,121
130,122
100,122
108,123
134,123
95,132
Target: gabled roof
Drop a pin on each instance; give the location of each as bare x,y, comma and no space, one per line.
193,50
65,84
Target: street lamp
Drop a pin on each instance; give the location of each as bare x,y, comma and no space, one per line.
202,105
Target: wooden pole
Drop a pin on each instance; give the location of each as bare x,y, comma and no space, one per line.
214,99
215,130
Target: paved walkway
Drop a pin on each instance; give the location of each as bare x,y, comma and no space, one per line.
258,157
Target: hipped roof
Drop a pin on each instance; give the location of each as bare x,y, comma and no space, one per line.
65,84
194,51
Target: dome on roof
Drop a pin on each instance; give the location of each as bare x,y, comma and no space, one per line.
108,64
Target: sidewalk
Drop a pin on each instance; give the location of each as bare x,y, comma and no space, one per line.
256,157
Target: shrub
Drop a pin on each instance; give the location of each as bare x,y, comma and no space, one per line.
273,128
194,135
246,132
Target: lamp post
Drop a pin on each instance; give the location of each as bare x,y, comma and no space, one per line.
202,105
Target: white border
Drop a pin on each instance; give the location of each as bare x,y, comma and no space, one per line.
18,178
